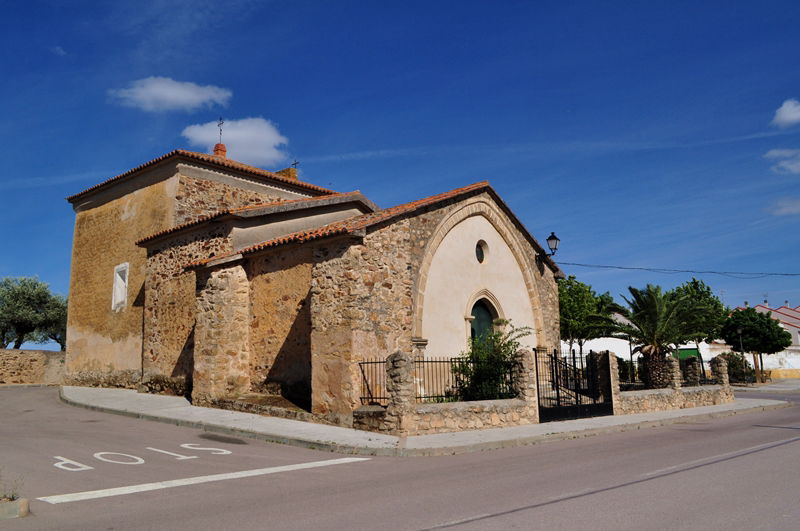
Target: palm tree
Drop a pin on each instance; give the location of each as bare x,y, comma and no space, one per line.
657,322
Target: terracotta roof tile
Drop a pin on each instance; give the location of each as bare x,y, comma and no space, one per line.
227,163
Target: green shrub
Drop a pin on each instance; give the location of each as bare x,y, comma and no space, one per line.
484,372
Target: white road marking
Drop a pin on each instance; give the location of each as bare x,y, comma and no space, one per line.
119,491
135,460
179,457
720,456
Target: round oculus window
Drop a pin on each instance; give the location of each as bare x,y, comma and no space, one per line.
481,250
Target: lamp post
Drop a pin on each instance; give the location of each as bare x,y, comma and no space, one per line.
552,243
741,348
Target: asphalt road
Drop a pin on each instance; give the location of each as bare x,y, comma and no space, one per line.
737,472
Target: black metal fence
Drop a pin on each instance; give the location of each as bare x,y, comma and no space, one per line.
569,385
442,380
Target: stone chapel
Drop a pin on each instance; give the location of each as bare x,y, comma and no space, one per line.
195,274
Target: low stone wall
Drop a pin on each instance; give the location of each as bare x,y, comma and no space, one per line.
404,417
649,400
674,396
453,416
31,367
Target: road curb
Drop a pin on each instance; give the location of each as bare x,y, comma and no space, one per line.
401,449
26,386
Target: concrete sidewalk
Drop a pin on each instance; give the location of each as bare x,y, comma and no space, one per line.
178,411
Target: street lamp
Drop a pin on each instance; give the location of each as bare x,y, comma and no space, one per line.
552,243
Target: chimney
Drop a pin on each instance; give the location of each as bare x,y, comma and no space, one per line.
766,303
746,304
786,303
289,173
221,151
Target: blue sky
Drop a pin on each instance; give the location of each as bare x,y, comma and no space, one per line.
645,134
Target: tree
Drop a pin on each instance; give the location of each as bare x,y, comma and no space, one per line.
55,326
747,330
705,310
28,310
578,307
657,322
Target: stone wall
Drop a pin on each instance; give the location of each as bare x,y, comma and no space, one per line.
104,346
198,197
280,322
404,417
170,308
222,335
360,308
672,397
651,400
31,367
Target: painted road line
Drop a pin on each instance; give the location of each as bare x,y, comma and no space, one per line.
144,487
722,457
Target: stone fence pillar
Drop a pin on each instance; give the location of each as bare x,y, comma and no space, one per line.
692,371
719,369
674,372
613,382
524,376
400,387
525,384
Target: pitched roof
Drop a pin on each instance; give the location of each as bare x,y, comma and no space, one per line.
789,318
361,222
211,159
266,208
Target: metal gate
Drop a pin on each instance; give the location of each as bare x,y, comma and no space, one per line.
569,386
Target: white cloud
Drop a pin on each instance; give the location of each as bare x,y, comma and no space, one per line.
155,94
59,51
787,207
251,140
787,114
787,160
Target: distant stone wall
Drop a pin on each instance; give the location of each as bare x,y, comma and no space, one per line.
31,367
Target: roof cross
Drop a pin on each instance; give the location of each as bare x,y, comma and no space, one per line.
295,164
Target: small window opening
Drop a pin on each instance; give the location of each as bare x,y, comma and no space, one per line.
481,250
119,293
